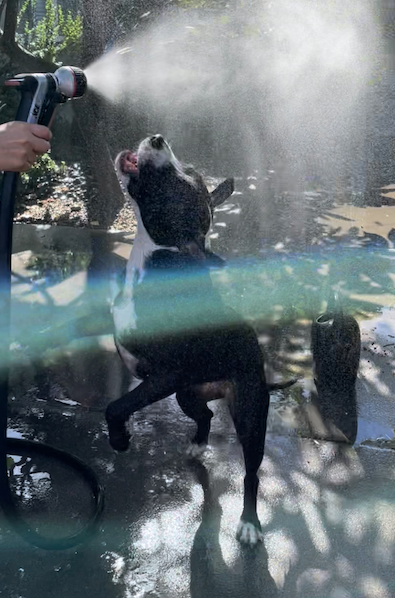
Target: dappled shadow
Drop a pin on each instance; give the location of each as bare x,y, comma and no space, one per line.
169,529
210,575
326,509
280,292
321,507
60,296
325,505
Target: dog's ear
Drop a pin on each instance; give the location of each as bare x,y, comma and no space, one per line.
222,192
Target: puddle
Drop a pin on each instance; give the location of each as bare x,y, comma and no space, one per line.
375,433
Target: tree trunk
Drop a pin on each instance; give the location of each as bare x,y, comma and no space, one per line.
94,119
11,15
18,58
98,18
94,124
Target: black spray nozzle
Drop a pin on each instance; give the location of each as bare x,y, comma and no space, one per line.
68,81
41,92
71,81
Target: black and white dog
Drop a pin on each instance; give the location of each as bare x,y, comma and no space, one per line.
172,329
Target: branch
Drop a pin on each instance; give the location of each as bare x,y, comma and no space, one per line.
19,57
98,17
10,21
2,7
23,60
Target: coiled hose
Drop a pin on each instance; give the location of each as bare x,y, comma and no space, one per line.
12,445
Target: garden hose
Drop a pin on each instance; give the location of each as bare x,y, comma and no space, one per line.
40,94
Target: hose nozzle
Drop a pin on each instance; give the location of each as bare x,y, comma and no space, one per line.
42,92
71,81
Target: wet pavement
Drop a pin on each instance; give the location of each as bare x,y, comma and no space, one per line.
168,530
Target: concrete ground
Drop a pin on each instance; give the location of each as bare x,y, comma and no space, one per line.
168,529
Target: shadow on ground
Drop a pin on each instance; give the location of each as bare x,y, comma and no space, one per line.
168,530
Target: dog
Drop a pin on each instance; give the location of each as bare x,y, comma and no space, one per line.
196,347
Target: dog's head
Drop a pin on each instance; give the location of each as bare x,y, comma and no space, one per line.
173,201
152,158
155,152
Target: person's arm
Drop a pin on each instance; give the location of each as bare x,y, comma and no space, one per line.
21,143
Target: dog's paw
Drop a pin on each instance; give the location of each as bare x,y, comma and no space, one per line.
195,450
248,533
119,436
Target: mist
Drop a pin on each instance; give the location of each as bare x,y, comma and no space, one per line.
282,85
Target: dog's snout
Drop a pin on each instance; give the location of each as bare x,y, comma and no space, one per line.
157,141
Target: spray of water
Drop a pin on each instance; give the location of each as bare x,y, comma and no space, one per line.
282,82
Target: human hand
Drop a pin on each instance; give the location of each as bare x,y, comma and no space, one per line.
21,143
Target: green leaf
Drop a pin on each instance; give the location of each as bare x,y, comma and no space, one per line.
22,11
52,34
10,463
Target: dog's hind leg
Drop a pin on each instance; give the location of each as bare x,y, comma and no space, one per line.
194,406
250,409
148,392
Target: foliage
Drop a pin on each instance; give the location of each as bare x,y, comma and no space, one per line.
44,173
50,36
55,266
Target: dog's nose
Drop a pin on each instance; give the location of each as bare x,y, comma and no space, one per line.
157,141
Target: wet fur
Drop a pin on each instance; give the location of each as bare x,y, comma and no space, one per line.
219,356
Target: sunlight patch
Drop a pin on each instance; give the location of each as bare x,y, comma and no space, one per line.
373,587
312,580
333,504
282,554
231,508
177,579
345,569
274,488
315,526
116,565
356,523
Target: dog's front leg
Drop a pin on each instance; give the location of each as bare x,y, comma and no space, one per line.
194,406
148,392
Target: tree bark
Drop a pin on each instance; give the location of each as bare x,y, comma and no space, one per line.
94,119
2,6
18,57
98,23
11,16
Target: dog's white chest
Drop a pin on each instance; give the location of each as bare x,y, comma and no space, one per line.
125,319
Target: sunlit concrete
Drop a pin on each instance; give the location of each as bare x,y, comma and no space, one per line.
168,531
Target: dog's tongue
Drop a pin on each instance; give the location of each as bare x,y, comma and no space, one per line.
129,163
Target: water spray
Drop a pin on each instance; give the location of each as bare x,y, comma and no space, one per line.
41,93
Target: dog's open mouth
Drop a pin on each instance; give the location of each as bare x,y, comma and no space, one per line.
129,163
